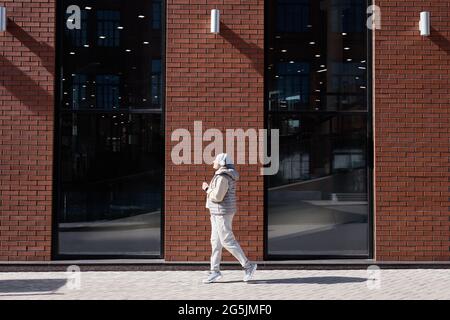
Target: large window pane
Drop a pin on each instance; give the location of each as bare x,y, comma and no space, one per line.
110,184
316,73
110,145
317,61
318,199
118,43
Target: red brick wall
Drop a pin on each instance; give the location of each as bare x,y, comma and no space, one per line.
26,129
412,131
217,79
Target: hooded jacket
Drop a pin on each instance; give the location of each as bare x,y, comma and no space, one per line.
221,193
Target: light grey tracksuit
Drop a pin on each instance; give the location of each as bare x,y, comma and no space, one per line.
221,202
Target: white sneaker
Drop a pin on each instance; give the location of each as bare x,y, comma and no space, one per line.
213,277
249,272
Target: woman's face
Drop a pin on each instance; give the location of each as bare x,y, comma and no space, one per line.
215,165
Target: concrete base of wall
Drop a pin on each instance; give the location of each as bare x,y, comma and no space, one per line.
161,265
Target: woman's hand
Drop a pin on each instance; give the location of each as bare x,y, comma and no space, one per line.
205,186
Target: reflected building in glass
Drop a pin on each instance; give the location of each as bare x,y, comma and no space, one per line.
316,74
110,135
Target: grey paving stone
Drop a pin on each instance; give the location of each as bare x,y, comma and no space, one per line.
267,284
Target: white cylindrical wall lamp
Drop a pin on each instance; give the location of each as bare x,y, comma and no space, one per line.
215,21
424,23
2,19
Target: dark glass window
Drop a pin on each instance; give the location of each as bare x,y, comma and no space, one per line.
292,86
108,32
316,73
110,144
292,15
156,21
77,37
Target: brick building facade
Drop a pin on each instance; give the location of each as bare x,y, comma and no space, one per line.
27,125
411,133
219,79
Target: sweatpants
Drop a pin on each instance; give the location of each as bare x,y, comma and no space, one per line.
222,237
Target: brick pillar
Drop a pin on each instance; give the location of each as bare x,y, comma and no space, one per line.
412,132
216,79
26,129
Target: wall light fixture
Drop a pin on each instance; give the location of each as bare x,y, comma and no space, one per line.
424,23
2,19
215,21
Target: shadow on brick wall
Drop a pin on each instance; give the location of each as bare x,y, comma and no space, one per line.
42,50
254,53
23,87
441,41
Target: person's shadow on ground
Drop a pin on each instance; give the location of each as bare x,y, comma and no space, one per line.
304,280
30,286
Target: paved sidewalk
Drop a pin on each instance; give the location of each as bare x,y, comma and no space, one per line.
267,284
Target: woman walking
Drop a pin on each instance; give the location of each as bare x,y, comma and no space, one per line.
221,202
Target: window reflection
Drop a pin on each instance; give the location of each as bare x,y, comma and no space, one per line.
118,41
108,34
156,19
317,52
111,184
110,136
317,98
292,15
107,91
292,84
